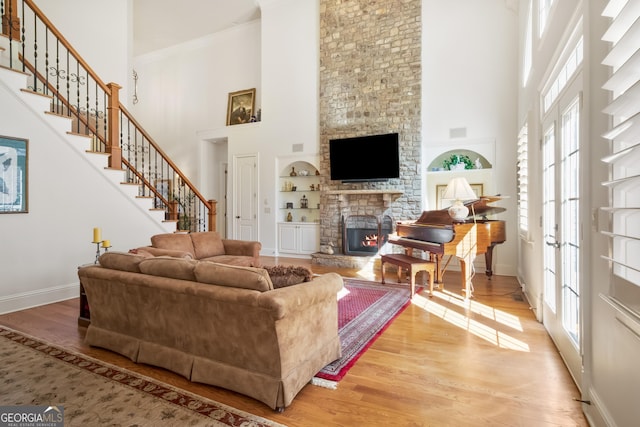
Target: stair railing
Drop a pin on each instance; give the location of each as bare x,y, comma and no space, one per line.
57,70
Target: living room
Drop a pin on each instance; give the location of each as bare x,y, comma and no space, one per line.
475,89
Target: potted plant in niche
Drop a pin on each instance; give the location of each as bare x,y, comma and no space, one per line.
457,162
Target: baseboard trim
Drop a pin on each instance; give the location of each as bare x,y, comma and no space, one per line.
25,300
596,413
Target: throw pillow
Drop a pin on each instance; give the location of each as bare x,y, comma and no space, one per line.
287,275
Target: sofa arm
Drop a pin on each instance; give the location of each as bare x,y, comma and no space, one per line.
283,301
242,247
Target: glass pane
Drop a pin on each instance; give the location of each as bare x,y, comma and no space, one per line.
549,217
570,221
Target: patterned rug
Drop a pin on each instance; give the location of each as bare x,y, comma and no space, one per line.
92,392
365,310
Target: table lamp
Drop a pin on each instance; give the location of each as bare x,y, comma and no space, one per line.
459,190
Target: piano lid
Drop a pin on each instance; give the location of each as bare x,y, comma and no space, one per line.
478,209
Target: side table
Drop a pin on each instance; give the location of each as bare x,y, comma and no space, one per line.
84,316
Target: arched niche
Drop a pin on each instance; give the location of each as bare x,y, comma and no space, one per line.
478,160
437,176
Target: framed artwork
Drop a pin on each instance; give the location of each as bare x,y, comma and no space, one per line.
443,204
241,106
14,155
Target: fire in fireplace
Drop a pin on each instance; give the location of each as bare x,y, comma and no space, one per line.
364,235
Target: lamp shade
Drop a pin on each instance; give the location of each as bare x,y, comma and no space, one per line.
458,190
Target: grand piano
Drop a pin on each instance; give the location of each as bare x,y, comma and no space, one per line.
435,232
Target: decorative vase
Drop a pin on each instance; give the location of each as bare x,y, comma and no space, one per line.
293,172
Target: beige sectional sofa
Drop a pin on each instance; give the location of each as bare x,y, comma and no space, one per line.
205,245
213,323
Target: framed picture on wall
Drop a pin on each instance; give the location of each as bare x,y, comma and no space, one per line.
443,204
13,175
241,106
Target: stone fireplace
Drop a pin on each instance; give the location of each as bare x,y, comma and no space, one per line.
370,83
365,235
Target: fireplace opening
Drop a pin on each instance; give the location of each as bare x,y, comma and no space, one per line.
364,235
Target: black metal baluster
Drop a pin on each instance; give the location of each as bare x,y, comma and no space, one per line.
46,61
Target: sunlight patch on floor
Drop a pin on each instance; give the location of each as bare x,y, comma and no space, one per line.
477,328
482,309
343,293
367,272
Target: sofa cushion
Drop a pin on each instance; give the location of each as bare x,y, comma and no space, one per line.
150,251
240,260
287,275
233,276
121,261
174,268
207,244
174,241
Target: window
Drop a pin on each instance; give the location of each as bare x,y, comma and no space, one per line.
527,60
544,8
624,184
523,182
568,70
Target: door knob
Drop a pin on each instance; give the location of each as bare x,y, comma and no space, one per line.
554,244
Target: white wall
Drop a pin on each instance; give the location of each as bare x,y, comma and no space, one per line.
469,80
100,32
183,91
41,250
290,79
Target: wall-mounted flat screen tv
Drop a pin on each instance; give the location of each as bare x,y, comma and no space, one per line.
365,158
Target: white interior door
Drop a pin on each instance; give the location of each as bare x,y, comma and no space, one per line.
561,223
245,196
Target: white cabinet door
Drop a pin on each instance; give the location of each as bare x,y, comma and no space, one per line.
309,235
287,238
298,238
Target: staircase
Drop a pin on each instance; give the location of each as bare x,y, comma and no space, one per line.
16,82
45,73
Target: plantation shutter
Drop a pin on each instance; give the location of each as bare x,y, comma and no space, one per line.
623,212
523,182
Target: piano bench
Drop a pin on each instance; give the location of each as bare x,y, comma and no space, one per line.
413,267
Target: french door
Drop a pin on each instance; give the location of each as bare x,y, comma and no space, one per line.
561,223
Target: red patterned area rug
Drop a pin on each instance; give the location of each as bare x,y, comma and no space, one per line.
365,310
92,392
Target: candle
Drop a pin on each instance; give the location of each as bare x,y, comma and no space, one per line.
96,235
106,243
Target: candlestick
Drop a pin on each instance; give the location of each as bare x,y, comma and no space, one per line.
97,252
106,244
97,235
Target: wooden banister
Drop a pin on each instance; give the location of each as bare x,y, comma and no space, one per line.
11,20
113,139
98,112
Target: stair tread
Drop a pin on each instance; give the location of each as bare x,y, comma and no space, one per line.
33,92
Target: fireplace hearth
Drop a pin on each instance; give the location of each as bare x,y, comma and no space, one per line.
364,235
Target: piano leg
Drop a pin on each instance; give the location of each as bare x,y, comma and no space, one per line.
465,276
488,260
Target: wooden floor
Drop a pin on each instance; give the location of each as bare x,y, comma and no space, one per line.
441,363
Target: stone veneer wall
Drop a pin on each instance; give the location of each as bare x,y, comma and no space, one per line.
370,83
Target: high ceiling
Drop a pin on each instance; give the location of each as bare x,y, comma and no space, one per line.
163,23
